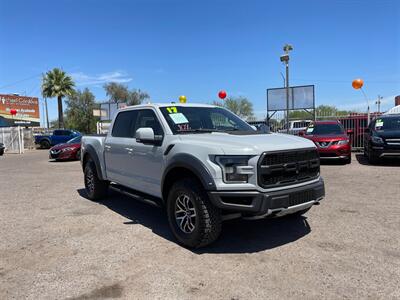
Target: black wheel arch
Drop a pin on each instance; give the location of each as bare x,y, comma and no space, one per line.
90,153
182,166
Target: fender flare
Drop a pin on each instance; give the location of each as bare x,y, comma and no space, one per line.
89,149
194,165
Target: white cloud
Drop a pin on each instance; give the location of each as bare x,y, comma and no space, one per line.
116,76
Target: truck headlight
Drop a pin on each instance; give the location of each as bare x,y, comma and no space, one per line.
235,169
377,140
343,142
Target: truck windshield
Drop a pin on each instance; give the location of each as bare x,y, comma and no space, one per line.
324,129
184,119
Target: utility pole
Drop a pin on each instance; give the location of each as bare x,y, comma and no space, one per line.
285,60
378,102
47,113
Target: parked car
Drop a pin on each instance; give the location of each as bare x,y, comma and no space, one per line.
204,165
332,141
2,148
59,136
69,151
382,138
295,127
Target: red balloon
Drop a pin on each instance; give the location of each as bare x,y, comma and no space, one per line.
13,112
222,94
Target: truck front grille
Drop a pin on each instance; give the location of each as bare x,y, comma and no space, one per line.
283,168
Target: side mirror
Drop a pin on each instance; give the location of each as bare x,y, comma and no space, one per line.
301,133
350,131
145,135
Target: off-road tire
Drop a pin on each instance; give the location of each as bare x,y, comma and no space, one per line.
45,144
96,189
207,224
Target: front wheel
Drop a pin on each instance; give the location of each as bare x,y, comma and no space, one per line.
372,158
95,188
193,219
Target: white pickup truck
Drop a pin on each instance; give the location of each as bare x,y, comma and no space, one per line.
204,165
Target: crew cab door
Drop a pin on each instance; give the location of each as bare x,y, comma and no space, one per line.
118,147
145,169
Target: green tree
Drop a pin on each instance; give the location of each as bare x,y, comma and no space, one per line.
79,112
136,96
120,93
56,83
240,106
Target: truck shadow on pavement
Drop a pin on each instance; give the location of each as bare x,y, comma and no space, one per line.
238,236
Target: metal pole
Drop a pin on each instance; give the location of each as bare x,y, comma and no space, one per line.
287,96
47,113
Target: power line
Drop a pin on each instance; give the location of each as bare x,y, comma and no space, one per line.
19,81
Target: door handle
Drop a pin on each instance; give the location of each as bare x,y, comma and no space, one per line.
129,149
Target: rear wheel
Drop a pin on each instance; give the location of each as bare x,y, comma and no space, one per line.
194,221
45,144
95,188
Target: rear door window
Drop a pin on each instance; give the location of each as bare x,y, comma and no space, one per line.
124,124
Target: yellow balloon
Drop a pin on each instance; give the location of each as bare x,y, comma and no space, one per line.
182,99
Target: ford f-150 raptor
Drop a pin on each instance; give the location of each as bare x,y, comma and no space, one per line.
204,165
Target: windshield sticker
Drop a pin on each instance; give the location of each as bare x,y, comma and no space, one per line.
310,129
172,110
178,118
379,123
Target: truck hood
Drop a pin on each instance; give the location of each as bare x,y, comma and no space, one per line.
247,144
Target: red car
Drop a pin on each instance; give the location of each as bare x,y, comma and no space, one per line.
332,141
69,151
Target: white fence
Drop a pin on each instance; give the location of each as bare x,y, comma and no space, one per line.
13,139
16,139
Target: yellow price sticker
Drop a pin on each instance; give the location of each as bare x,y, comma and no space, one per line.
172,110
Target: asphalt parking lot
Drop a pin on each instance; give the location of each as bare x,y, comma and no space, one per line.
56,244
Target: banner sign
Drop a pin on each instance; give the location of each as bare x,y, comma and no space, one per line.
19,111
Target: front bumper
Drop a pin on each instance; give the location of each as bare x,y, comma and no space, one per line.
58,154
385,152
253,203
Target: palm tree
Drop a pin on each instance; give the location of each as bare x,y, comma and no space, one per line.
56,83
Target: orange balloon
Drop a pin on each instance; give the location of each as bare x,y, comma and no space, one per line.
357,83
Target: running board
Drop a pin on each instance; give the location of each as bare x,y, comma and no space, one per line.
153,201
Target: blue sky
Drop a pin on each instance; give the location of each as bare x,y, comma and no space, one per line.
196,48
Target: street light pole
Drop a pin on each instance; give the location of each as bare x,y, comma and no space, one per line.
378,102
285,60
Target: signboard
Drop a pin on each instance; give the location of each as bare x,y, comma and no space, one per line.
109,110
19,111
300,97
